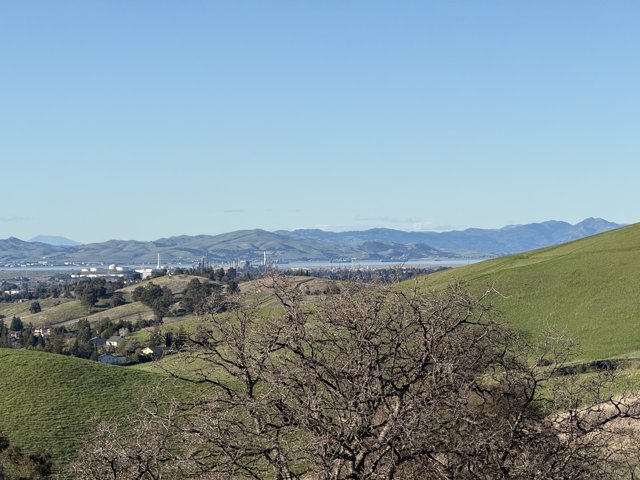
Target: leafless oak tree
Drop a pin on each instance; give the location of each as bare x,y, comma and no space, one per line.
378,383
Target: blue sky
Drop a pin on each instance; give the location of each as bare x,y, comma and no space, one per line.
146,119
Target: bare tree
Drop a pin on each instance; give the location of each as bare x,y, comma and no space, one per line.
379,383
139,447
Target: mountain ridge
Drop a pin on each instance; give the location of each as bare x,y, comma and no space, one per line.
311,244
494,242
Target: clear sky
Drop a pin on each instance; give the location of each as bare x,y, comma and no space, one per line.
149,118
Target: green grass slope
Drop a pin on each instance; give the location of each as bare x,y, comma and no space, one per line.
21,309
67,312
130,311
590,288
50,401
70,312
56,315
175,283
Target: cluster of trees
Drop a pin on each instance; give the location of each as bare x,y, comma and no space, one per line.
379,276
15,464
329,289
20,291
25,338
374,383
204,298
49,289
229,277
158,298
38,290
88,293
4,334
106,327
79,344
169,339
75,341
201,298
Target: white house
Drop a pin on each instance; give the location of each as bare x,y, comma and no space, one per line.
44,332
115,341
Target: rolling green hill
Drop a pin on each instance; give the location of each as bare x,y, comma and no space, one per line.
175,283
66,312
590,288
51,401
22,309
59,311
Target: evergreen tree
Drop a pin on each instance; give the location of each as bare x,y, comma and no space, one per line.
117,299
35,307
4,336
16,324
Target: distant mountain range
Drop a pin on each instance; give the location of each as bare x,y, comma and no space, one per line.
55,240
374,244
472,241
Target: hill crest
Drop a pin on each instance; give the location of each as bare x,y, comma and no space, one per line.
588,287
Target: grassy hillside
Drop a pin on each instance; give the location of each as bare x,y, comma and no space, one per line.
175,283
22,309
57,314
590,287
59,311
50,401
71,311
258,293
129,312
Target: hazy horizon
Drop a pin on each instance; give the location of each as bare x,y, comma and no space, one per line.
66,237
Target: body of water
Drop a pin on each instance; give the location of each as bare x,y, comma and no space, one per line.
379,264
356,264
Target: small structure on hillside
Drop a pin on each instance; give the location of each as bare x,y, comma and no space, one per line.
44,332
115,341
145,272
98,342
154,352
